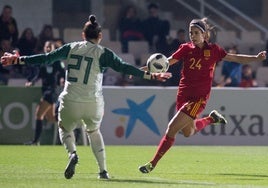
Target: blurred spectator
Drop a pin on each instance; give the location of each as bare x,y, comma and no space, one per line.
8,26
231,72
5,46
59,42
46,34
27,46
248,77
176,68
13,71
156,30
130,27
176,42
27,42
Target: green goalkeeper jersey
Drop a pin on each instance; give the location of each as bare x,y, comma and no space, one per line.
86,63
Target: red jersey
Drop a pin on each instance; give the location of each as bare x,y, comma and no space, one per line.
198,68
247,83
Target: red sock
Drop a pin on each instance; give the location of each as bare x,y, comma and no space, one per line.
202,123
164,145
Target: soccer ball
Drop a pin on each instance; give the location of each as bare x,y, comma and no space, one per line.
157,63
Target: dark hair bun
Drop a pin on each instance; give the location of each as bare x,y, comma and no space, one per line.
92,19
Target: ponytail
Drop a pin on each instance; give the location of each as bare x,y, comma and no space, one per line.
92,28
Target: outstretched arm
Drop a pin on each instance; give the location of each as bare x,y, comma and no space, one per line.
110,59
242,58
172,60
53,56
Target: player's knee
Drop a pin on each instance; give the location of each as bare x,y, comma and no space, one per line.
188,133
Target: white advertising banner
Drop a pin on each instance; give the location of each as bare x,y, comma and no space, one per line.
139,116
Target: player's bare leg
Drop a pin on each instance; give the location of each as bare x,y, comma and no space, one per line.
177,123
51,115
41,111
188,127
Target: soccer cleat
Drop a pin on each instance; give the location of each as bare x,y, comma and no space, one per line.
217,117
70,168
103,175
148,167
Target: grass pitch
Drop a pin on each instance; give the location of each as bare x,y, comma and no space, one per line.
182,166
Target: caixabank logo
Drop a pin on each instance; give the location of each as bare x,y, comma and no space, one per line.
136,112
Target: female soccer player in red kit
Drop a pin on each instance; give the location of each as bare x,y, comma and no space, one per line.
199,60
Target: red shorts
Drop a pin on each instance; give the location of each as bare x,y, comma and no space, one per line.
192,106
